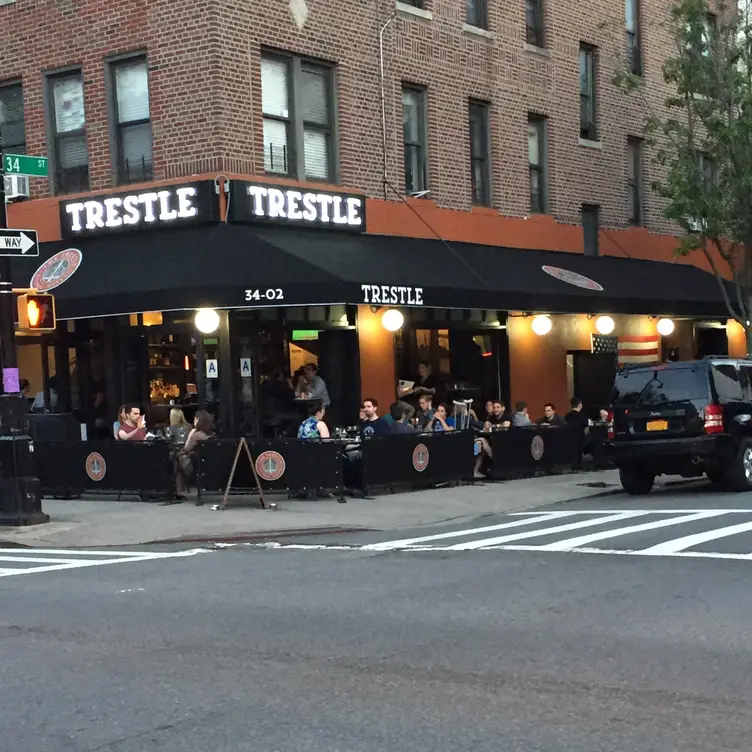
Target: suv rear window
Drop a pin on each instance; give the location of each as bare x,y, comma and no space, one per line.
656,386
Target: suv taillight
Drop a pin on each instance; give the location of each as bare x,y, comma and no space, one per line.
611,432
713,419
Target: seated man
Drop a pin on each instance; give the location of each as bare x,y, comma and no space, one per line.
550,418
499,416
400,420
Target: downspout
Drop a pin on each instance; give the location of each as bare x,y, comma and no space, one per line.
383,101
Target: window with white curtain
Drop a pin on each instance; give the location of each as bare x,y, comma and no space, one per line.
133,134
68,119
297,104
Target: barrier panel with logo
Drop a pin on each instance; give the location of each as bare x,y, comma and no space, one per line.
519,452
90,466
417,459
281,465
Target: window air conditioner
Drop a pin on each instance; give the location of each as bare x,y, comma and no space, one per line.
16,187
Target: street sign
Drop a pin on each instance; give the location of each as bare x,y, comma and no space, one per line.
18,243
20,164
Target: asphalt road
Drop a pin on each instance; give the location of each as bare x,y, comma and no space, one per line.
355,650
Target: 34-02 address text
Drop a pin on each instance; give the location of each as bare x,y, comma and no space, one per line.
273,293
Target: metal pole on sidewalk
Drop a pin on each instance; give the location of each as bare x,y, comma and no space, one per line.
20,491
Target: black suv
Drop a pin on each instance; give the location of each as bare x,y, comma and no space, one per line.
685,418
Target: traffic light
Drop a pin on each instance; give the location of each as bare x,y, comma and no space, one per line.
36,312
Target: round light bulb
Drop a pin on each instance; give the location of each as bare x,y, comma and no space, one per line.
665,327
542,325
604,324
206,320
392,320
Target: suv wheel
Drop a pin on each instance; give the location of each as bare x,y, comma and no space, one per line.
739,470
636,480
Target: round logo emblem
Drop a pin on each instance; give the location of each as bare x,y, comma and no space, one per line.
572,278
96,467
56,270
421,457
537,447
270,466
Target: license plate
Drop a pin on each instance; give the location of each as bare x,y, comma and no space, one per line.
657,425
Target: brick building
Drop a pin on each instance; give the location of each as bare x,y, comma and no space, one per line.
461,121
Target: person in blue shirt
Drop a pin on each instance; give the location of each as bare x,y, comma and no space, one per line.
481,448
372,424
313,427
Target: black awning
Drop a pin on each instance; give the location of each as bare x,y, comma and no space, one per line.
227,266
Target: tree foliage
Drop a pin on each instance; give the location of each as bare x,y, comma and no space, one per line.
702,140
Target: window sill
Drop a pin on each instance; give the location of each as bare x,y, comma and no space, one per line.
478,31
413,11
7,2
537,50
587,143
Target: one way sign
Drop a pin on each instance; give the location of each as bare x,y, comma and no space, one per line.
18,243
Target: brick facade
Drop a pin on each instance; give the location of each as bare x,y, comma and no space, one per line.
204,77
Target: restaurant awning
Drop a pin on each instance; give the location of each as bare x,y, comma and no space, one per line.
229,266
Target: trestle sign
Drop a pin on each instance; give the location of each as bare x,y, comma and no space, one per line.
392,295
289,205
158,207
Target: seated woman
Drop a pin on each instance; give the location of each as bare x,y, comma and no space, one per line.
313,427
185,459
120,422
179,429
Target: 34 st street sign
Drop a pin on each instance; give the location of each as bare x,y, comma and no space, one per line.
22,164
18,243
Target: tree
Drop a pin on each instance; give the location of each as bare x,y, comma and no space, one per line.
702,141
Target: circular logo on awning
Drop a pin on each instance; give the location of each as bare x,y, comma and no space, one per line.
537,447
421,457
56,270
572,278
96,467
270,466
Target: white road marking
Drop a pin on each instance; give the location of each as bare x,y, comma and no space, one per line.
540,532
571,543
119,557
389,545
645,511
680,544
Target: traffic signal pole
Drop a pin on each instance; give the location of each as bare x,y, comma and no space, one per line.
8,355
20,491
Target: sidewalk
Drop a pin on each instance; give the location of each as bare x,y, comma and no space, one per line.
92,523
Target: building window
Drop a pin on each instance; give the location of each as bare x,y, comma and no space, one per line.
12,132
590,228
298,141
476,13
634,180
414,136
707,170
414,3
480,177
133,136
534,22
536,149
68,119
588,128
634,55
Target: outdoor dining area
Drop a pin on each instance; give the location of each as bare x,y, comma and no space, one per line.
344,465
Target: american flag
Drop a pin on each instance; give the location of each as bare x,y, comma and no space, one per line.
640,349
628,349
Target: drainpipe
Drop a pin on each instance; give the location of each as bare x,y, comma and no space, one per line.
383,98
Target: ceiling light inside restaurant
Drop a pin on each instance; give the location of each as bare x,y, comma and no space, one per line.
392,320
542,325
207,320
604,324
665,327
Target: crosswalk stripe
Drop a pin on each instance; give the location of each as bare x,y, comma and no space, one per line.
39,559
390,545
736,510
104,553
569,544
540,532
681,544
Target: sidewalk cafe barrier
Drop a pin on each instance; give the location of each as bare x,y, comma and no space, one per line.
103,466
417,459
521,452
281,465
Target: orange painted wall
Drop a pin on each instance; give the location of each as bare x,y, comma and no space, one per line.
377,365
